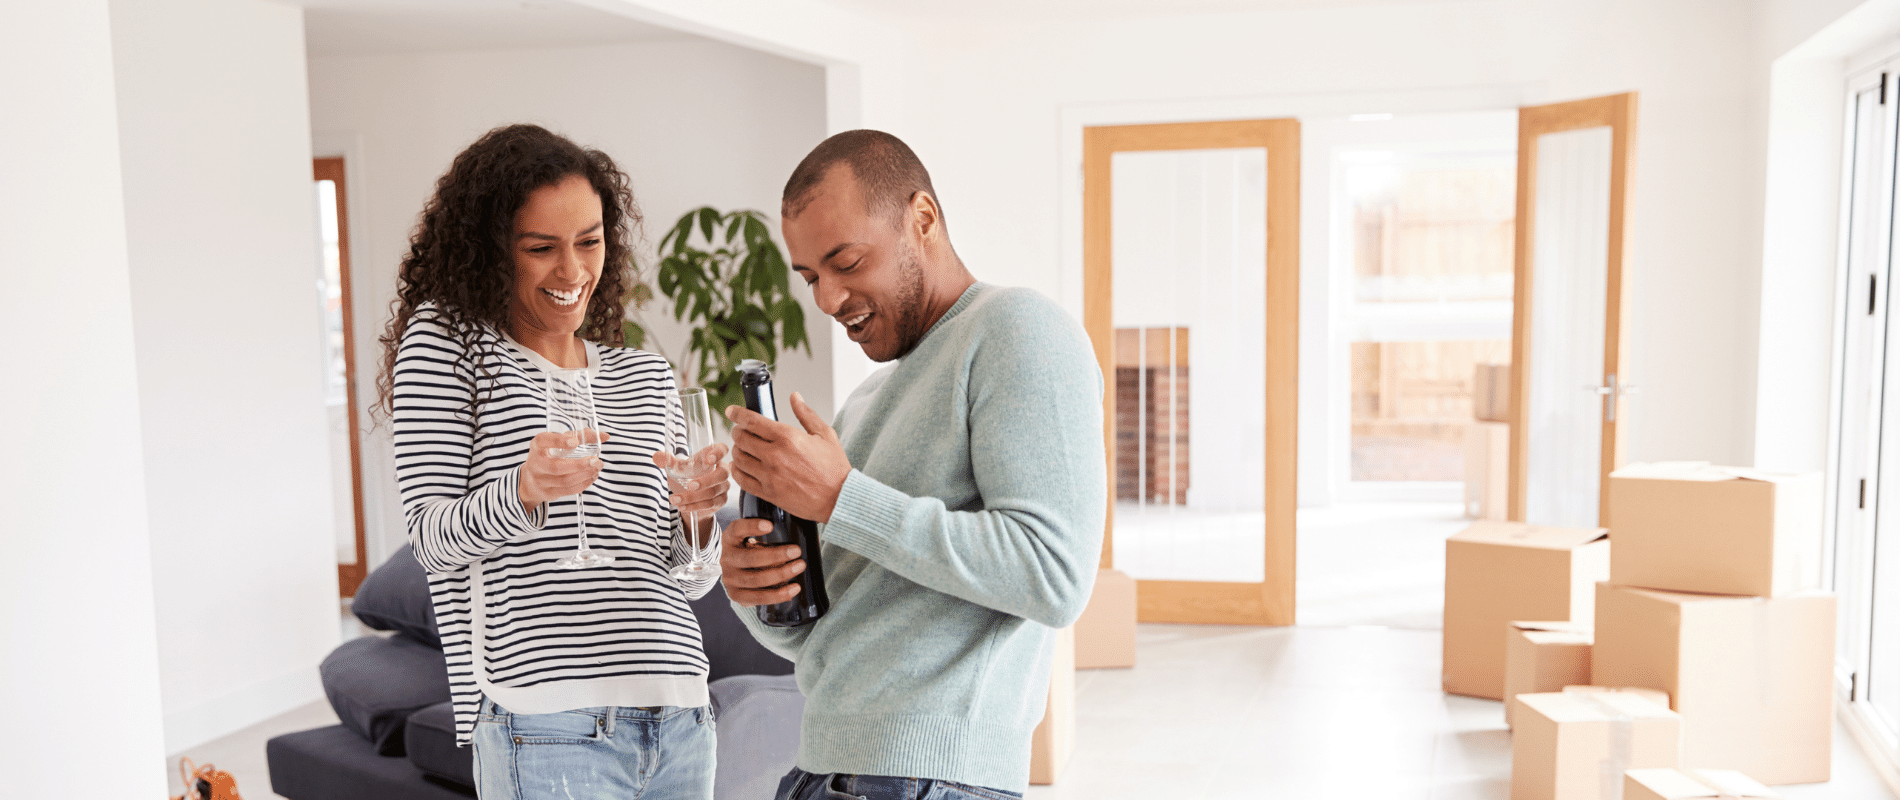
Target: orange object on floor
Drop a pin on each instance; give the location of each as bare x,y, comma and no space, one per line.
206,782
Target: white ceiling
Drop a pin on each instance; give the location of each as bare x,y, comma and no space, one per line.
900,11
366,27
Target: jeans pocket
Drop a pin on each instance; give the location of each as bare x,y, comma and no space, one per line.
567,727
951,790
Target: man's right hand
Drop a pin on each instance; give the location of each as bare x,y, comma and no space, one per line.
757,574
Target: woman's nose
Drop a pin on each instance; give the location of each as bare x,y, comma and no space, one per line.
568,266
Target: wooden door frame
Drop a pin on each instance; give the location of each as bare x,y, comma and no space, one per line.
348,576
1272,601
1618,113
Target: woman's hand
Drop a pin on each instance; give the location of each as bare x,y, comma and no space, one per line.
548,473
705,490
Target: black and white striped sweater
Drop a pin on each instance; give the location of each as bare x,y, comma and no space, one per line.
554,639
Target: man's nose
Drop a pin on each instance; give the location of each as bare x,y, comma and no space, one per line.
828,295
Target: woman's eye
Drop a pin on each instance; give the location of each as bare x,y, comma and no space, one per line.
590,243
541,250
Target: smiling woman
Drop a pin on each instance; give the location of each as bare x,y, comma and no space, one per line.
565,673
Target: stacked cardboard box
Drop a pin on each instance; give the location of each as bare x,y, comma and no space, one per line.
1544,657
1105,634
1487,470
1710,599
1496,572
1575,744
1054,738
1696,784
1491,393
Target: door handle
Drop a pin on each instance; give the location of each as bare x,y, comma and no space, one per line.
1610,392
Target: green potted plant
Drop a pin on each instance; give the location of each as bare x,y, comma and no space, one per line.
734,289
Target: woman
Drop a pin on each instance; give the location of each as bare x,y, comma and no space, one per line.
583,682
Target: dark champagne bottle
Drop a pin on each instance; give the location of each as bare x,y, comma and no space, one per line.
812,602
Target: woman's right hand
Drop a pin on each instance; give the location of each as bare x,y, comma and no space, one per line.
547,475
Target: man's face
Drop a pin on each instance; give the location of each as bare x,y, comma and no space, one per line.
864,271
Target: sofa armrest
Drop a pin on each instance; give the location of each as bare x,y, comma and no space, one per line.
758,718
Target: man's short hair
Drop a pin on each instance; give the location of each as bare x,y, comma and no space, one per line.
889,173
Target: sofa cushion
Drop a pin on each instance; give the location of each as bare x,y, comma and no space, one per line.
395,597
376,682
334,763
730,648
758,717
430,738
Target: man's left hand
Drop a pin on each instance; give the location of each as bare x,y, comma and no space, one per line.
801,470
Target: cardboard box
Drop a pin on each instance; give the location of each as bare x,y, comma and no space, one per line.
1568,744
1496,572
1689,527
1054,738
1487,470
1751,676
1658,697
1544,657
1491,392
1105,633
1694,784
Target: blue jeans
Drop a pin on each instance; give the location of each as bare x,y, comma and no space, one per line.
662,753
801,785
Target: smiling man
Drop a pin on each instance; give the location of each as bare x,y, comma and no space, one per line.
962,495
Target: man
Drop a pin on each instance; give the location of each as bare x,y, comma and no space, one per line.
962,495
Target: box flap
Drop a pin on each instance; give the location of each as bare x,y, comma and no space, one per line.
1657,696
1518,534
1559,626
1732,783
1703,471
1560,637
1671,784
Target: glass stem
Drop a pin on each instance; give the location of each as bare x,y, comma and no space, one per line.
580,520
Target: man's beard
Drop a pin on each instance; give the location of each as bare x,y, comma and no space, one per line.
907,320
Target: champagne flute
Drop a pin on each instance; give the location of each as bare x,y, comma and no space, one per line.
687,441
571,408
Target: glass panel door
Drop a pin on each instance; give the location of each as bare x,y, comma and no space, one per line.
1190,238
1571,268
1190,256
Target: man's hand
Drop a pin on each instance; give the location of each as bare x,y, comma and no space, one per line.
757,574
799,470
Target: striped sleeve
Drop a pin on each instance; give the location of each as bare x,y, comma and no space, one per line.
450,521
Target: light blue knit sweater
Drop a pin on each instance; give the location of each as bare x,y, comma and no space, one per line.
968,531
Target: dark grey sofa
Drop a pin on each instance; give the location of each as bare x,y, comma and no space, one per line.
397,738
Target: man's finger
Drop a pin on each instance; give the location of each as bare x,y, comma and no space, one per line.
809,418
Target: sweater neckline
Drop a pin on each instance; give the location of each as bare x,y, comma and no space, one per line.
540,362
963,301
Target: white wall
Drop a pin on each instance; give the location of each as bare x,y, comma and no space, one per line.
220,228
79,678
998,94
1808,44
693,122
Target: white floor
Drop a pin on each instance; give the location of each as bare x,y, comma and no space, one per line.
1344,706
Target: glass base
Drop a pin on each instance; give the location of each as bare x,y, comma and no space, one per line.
694,571
583,560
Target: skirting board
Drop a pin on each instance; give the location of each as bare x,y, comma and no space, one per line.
1871,743
239,708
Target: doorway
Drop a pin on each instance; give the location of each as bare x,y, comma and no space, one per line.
339,347
1191,297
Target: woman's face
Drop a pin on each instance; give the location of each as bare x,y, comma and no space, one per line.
559,248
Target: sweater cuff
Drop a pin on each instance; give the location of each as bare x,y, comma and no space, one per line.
508,491
866,516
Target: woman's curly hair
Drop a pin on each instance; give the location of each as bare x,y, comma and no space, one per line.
461,253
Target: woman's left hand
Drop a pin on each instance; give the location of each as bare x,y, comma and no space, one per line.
703,493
